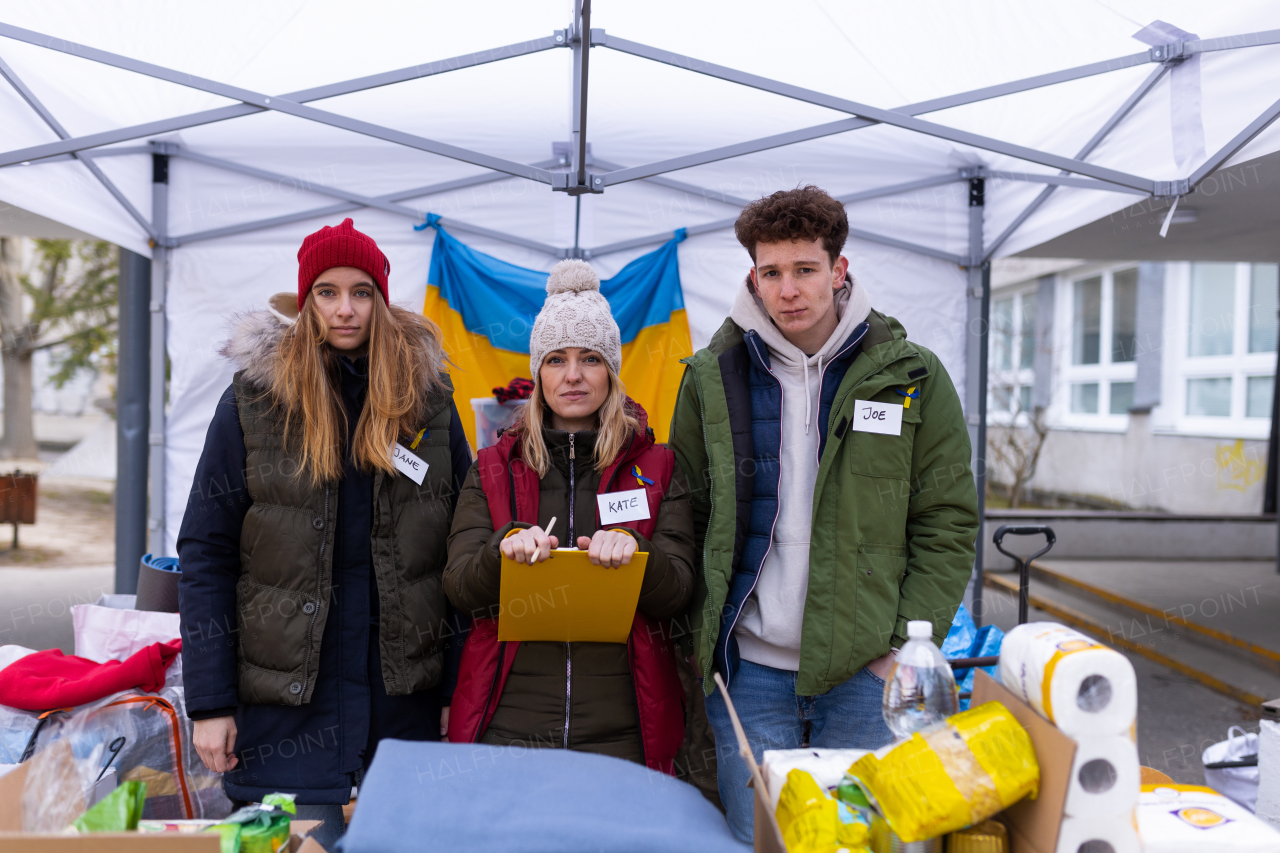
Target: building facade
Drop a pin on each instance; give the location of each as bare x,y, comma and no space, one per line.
1141,385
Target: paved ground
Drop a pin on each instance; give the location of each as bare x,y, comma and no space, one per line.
1241,597
1177,717
65,558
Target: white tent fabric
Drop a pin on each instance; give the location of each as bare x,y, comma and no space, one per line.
639,112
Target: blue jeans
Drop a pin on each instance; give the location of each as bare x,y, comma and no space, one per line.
774,717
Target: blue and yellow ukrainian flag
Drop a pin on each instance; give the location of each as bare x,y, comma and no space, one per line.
486,307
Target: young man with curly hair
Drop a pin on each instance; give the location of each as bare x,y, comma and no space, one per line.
832,494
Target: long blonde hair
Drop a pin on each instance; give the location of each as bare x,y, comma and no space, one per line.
615,424
405,359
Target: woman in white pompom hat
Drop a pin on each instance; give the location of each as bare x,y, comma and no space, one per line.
580,437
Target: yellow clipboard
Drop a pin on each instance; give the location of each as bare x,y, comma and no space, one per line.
566,599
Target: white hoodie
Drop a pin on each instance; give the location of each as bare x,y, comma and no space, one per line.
768,630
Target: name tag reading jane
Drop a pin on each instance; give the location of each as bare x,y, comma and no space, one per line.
881,418
617,507
408,463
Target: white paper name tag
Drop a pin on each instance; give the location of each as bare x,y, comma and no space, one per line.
408,463
617,507
882,418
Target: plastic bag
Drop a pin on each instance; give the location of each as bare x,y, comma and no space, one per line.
951,775
263,827
986,643
812,821
116,812
1238,783
1191,819
961,635
104,632
55,792
157,750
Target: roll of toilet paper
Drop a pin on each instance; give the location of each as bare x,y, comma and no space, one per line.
1098,835
1083,687
1268,805
1105,777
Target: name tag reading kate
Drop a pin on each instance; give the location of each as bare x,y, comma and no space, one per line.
882,418
408,463
617,507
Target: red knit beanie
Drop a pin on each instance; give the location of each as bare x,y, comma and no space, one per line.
342,246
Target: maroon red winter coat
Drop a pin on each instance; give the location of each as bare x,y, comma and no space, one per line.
618,700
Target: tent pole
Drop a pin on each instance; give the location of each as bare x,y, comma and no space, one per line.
889,117
159,356
133,378
979,311
1118,116
302,96
56,126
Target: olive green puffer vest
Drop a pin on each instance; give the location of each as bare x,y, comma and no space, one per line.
286,557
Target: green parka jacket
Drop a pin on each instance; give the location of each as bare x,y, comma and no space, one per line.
894,517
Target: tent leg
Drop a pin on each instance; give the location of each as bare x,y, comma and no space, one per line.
133,381
155,438
979,314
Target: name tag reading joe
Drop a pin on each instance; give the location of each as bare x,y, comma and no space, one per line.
408,463
617,507
881,418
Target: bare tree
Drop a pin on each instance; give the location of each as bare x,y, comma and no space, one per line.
1015,448
73,307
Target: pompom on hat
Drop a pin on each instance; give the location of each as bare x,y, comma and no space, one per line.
340,246
574,315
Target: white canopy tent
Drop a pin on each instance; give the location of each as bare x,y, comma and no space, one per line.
162,128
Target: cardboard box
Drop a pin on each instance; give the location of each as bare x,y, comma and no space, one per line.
14,840
1033,824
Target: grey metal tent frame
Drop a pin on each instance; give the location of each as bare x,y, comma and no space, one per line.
573,171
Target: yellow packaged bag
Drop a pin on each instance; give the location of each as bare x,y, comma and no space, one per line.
951,775
812,821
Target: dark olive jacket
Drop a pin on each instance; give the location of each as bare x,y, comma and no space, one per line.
286,581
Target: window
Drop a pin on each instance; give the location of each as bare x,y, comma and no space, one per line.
1229,317
1087,321
1121,398
1002,333
1012,354
1124,315
1258,396
1084,398
1209,398
1264,290
1211,319
1102,367
1027,335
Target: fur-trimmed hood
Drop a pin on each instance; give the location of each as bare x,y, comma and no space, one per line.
255,336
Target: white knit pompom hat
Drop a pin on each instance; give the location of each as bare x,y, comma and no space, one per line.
574,315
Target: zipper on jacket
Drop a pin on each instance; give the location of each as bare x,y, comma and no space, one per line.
568,688
306,666
822,374
572,541
568,648
782,396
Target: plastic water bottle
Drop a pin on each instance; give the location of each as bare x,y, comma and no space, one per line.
921,689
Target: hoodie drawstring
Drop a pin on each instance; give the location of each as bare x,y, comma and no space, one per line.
808,395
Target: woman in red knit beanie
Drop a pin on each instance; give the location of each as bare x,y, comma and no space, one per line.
314,622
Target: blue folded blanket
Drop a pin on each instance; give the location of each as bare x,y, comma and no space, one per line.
483,799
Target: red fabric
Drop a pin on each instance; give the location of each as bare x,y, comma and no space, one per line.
516,389
50,679
486,663
341,246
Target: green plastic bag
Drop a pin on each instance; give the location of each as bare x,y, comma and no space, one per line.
116,812
258,828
